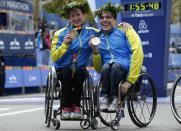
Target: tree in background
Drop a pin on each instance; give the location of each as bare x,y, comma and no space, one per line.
56,7
176,12
36,13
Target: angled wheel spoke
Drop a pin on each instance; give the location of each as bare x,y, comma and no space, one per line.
148,108
106,116
110,117
140,112
136,103
143,112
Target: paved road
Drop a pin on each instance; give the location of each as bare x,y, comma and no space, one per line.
25,113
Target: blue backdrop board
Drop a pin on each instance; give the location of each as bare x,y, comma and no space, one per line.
17,44
17,36
17,5
53,20
151,20
172,75
44,73
32,77
14,77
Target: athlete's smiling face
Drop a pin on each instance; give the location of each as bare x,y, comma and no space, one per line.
76,17
107,21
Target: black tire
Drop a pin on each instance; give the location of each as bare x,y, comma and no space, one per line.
56,123
94,124
93,121
139,95
47,101
51,100
85,124
87,99
106,117
174,99
114,125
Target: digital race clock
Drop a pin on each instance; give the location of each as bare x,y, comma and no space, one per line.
142,6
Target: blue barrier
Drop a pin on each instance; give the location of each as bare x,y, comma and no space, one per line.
172,75
17,77
32,78
14,78
175,60
44,74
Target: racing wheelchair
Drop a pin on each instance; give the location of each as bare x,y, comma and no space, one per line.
53,109
141,104
175,99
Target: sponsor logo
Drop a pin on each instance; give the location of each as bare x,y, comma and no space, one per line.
143,28
149,55
14,5
139,15
15,45
12,79
32,78
144,68
2,45
145,43
29,44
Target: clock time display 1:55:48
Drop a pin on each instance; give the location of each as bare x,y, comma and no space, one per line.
142,6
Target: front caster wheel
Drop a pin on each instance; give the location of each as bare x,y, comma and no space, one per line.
114,125
85,124
94,124
56,123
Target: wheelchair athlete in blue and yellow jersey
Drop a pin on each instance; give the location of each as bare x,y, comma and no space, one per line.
71,53
119,57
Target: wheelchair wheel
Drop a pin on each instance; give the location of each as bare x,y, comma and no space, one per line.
93,120
115,125
47,101
50,106
105,116
87,101
50,96
85,124
56,123
142,101
175,101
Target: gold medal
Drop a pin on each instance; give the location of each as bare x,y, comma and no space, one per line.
73,33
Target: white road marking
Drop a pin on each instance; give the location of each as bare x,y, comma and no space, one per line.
4,109
21,99
26,111
20,112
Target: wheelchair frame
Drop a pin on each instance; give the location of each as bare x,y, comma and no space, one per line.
133,96
90,103
52,94
173,100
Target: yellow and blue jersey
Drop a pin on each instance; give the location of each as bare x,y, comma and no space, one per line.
62,53
122,46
